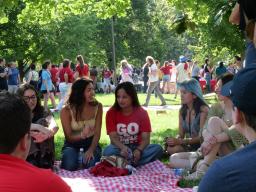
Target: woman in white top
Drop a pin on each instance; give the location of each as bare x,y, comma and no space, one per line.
33,76
126,71
153,81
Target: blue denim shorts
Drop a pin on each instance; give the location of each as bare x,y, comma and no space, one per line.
166,78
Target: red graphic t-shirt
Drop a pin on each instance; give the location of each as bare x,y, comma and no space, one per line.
129,128
82,71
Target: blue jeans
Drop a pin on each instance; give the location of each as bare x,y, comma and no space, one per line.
207,77
70,153
145,86
250,54
151,153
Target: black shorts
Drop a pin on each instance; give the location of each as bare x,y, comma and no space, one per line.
45,91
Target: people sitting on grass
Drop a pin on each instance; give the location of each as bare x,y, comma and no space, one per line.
15,173
237,171
192,117
81,120
43,129
128,126
218,130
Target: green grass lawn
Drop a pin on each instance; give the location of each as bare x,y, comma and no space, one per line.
162,124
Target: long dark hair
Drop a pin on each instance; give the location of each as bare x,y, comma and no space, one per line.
46,64
197,104
38,112
77,99
193,87
131,91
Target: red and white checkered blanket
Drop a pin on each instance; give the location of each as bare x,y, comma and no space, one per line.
154,176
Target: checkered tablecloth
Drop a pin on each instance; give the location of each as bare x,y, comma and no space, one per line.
154,176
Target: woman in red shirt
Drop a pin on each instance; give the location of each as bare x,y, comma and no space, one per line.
128,126
166,70
82,69
66,79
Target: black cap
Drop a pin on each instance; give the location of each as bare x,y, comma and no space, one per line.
243,90
225,90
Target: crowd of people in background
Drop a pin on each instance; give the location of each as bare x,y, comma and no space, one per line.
55,80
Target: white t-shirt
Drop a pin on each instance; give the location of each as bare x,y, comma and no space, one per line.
153,73
182,73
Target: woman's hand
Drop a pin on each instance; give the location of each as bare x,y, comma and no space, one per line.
41,129
38,137
206,147
85,132
88,155
136,156
212,139
173,141
208,144
124,152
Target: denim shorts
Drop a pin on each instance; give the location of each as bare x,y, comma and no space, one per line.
166,78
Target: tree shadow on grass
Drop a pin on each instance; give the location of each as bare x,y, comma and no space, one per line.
159,138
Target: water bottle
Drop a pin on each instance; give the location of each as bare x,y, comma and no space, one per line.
178,172
130,156
80,158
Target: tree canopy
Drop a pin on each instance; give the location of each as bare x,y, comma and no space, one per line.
35,30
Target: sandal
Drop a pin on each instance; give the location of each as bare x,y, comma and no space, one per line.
198,159
201,169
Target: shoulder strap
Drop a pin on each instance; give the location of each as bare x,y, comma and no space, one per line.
49,73
71,113
96,111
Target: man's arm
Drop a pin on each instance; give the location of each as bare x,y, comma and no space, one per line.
3,74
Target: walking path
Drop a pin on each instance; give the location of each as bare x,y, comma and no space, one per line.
155,107
166,107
